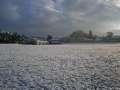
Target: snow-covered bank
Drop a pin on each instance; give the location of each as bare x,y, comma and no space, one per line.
60,67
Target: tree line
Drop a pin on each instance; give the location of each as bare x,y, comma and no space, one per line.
14,37
81,36
75,37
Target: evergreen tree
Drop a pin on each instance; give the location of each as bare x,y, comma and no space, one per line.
90,35
49,38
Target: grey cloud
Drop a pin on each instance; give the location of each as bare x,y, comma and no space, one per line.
58,17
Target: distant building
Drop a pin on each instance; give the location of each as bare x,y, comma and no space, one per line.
87,39
42,42
98,39
55,41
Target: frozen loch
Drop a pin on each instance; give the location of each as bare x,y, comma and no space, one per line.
60,67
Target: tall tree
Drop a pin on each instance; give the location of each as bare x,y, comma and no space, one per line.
90,34
49,38
109,35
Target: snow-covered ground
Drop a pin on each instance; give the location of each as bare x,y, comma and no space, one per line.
60,67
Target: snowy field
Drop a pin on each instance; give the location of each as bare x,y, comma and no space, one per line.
60,67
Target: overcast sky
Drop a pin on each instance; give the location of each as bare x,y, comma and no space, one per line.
59,17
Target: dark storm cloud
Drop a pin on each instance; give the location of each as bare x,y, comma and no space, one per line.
59,17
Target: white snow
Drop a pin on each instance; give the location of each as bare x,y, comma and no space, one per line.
60,67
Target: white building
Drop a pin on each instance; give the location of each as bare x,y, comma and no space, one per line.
42,42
